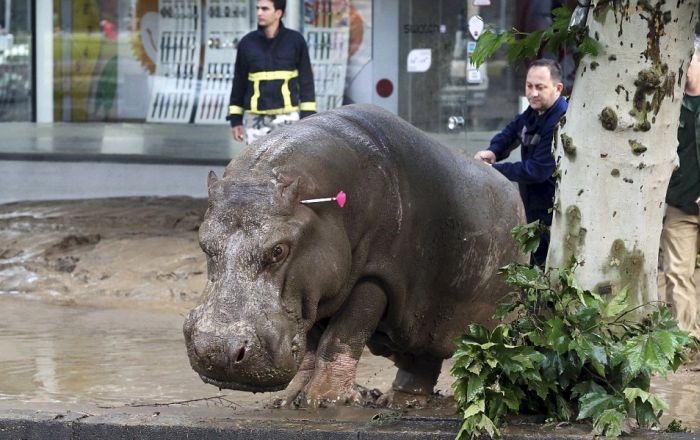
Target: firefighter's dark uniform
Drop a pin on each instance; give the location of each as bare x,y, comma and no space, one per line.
272,76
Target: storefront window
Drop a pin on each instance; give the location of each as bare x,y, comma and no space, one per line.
441,92
15,60
438,85
146,60
173,60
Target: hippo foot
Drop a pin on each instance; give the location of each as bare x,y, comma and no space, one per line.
328,383
401,400
307,399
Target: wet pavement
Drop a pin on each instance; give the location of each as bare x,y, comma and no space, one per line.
123,368
85,372
116,357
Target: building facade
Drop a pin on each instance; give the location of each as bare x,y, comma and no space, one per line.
171,61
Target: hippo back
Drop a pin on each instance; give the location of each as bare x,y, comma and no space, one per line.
431,226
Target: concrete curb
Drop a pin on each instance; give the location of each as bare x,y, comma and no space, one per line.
155,423
169,424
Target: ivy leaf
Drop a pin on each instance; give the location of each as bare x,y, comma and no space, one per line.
526,277
475,388
646,415
512,398
528,236
475,424
555,332
488,44
526,48
541,388
495,405
617,304
478,334
563,408
644,396
474,408
589,46
593,404
459,388
650,352
610,423
589,351
587,387
648,407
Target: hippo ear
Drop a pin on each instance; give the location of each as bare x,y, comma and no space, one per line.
289,185
212,180
290,191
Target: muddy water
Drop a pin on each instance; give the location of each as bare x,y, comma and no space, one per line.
54,353
112,357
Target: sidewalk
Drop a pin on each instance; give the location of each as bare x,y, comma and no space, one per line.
73,422
98,160
78,161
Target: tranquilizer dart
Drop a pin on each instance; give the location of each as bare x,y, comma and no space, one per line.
339,198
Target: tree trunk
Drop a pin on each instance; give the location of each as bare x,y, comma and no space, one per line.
617,148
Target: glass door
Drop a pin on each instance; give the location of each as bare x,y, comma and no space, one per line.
440,91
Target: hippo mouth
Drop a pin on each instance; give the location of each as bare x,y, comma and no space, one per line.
242,386
242,355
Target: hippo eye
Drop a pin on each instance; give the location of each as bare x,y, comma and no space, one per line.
278,253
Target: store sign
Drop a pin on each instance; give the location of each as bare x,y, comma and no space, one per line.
421,28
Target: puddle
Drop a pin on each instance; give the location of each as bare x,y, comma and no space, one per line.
113,357
73,354
681,391
54,353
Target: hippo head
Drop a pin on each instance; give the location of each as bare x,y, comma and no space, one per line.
275,268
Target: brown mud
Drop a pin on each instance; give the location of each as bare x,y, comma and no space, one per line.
121,252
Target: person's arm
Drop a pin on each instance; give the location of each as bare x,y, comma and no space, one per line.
508,139
539,166
238,88
307,95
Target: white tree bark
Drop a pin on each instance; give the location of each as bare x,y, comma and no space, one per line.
617,148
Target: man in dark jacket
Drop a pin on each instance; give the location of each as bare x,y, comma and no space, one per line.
533,130
680,237
273,83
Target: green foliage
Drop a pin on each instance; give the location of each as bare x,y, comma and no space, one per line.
528,236
566,353
520,46
676,426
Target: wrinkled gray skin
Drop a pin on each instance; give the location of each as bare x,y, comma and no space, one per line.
296,291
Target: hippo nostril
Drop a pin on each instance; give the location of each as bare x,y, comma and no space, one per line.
241,354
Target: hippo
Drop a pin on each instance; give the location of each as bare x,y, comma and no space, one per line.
295,291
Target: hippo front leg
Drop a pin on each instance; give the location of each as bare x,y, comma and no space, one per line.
304,373
340,347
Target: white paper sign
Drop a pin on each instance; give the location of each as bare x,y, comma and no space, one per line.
419,60
474,76
476,26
